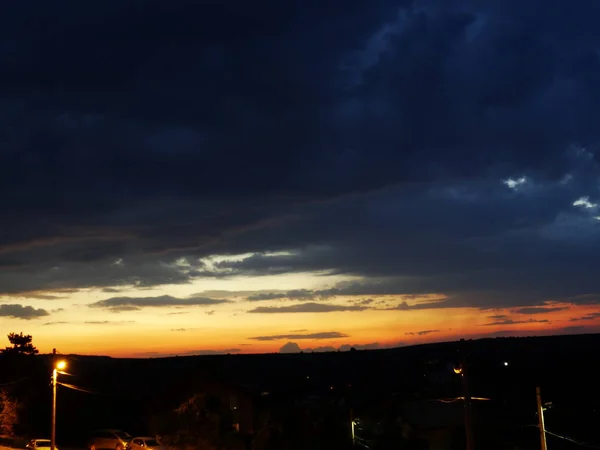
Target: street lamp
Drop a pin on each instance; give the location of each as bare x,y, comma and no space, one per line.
58,366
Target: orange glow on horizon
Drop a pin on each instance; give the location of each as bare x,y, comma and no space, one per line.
243,334
73,324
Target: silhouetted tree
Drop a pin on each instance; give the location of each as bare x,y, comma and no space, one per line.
207,425
8,413
22,344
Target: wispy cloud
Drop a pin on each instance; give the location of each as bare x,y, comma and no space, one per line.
590,316
316,336
108,322
295,294
305,308
540,309
422,333
117,304
506,321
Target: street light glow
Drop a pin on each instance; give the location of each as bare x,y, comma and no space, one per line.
61,365
505,363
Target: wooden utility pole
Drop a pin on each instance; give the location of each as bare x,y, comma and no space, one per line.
352,426
540,410
54,376
464,374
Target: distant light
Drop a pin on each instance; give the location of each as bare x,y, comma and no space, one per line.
457,370
61,365
505,363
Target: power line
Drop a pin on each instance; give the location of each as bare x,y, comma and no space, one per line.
456,399
574,441
77,388
566,438
13,382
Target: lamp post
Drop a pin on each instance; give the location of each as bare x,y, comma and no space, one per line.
462,370
57,366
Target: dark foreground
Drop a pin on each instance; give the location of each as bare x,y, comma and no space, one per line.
398,398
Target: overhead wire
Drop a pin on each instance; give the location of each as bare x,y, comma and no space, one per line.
13,382
77,388
574,441
456,399
567,438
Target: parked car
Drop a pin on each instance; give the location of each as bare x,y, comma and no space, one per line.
39,443
109,439
145,443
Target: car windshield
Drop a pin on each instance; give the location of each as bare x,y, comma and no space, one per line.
152,443
43,443
123,435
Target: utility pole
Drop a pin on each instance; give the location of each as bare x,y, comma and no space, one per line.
54,377
352,426
540,410
464,374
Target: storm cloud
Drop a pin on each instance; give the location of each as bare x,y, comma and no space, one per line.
22,312
133,303
443,147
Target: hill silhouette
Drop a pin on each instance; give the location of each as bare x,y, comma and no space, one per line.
138,395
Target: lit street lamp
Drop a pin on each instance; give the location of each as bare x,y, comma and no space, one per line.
58,367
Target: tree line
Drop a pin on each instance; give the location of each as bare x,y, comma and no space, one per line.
13,368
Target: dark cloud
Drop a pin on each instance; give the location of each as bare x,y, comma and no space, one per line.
290,347
422,332
292,295
366,301
21,312
590,316
506,321
371,140
118,304
498,317
540,309
44,296
305,308
293,347
124,308
316,336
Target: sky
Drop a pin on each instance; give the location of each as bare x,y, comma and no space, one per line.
200,177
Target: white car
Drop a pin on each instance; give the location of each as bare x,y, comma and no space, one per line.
40,443
145,443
